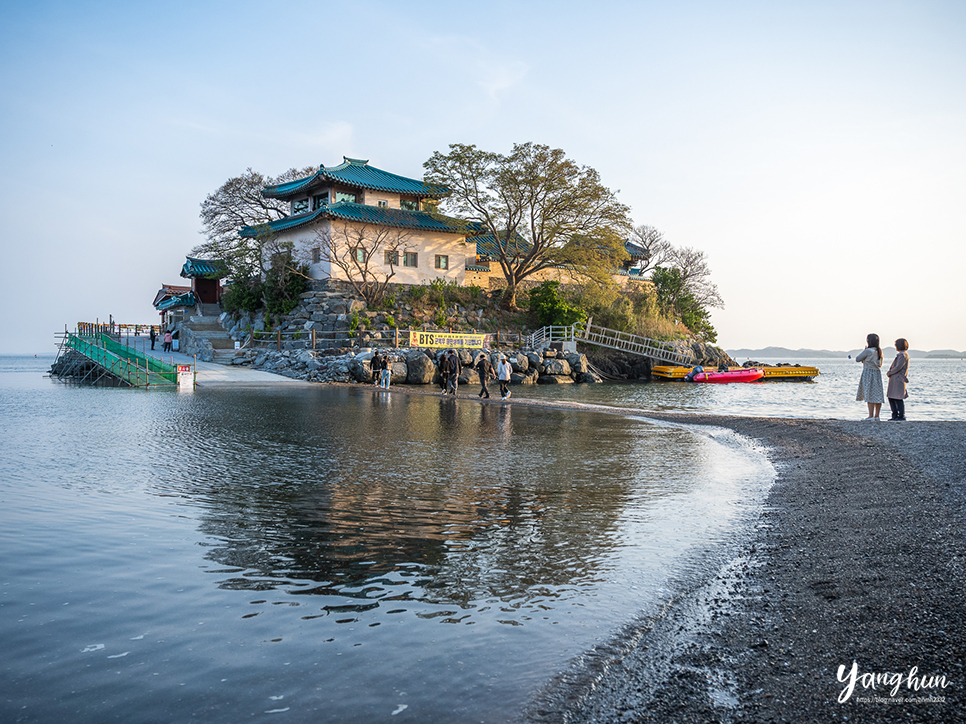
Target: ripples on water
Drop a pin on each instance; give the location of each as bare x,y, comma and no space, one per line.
329,553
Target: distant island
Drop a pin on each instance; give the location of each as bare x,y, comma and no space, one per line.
791,355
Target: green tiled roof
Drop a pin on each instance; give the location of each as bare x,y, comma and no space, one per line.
635,251
183,300
357,173
487,246
365,214
208,268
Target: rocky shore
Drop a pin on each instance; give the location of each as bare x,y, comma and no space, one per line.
858,557
421,366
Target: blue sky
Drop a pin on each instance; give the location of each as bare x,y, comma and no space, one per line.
815,151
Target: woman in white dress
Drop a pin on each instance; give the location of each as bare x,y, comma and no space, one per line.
870,384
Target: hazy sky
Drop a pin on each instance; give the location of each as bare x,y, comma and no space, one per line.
816,151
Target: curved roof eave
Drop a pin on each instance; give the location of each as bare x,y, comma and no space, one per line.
357,173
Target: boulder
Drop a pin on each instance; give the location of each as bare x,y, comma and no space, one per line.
399,371
578,363
554,380
520,379
469,376
534,359
420,369
519,362
556,367
588,377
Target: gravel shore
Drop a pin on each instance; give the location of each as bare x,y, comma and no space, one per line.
858,557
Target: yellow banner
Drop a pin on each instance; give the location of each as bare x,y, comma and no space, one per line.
445,339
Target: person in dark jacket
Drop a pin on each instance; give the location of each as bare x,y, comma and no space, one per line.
454,371
485,369
443,372
375,367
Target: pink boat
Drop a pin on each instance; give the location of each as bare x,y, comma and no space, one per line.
751,374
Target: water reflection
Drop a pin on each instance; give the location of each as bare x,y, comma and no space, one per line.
377,504
344,550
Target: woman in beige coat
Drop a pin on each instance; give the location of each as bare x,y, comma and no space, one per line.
898,377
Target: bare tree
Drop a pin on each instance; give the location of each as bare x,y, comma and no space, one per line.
656,248
366,254
695,275
236,203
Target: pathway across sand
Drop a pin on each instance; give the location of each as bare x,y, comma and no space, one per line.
211,373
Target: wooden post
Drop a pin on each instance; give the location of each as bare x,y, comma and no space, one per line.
396,340
278,340
313,338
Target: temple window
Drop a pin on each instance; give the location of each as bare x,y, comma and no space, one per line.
442,261
382,204
300,206
319,201
392,258
410,258
343,196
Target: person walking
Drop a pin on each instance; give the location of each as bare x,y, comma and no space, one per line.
153,336
898,375
375,368
454,371
503,371
485,369
386,371
168,341
443,372
870,384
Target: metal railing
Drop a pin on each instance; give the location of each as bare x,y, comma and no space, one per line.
612,339
121,362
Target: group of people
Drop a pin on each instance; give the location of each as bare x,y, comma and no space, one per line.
381,369
451,367
870,384
486,372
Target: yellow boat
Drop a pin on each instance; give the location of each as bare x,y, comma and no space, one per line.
772,372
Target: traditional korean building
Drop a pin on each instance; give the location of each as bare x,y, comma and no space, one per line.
355,208
174,301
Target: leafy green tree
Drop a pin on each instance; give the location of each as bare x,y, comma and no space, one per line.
678,302
551,308
542,210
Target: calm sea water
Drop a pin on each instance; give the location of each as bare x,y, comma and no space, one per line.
331,554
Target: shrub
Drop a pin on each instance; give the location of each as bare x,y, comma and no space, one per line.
417,292
244,295
551,308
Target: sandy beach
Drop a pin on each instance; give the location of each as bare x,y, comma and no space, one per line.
858,557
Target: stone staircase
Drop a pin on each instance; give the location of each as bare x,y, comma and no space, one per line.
208,328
